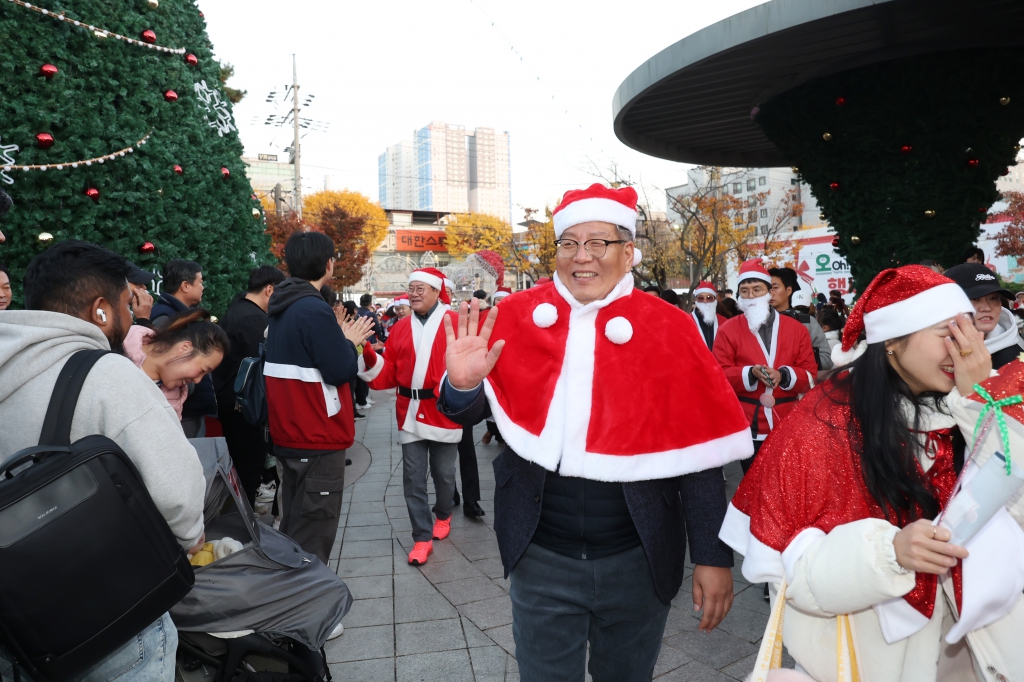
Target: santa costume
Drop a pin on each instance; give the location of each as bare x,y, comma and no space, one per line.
413,363
781,343
708,328
500,293
803,514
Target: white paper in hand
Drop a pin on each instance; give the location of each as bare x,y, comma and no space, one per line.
985,490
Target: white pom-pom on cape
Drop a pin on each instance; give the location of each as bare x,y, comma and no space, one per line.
637,256
841,358
545,315
618,330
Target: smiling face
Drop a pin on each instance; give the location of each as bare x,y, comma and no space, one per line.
922,359
180,365
591,279
986,312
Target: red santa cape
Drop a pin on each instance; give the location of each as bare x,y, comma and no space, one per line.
414,359
600,391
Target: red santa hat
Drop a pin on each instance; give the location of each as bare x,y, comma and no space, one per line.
898,302
400,300
754,269
598,203
501,293
705,288
434,278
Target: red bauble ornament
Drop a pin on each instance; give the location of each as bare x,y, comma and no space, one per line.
833,186
171,96
149,36
48,70
906,149
202,16
191,59
225,173
93,194
1006,171
147,247
835,242
840,101
983,210
44,140
972,163
178,169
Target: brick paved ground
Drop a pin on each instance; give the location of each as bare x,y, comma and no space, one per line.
451,619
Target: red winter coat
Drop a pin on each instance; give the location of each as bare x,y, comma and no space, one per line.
737,349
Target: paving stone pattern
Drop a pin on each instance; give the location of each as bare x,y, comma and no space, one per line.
452,618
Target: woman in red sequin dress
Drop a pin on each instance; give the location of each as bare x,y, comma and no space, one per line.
840,500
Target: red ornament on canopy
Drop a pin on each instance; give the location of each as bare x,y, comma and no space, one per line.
147,247
840,101
833,186
93,194
48,70
906,149
171,96
178,169
149,36
225,172
835,242
972,163
191,59
44,140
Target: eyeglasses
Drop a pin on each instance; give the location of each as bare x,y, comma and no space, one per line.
706,298
567,248
418,291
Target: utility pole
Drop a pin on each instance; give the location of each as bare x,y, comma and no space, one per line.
296,149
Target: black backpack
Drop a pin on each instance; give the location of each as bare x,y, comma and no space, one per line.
86,560
251,389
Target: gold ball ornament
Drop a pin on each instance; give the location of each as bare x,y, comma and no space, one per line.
795,170
45,237
153,4
1004,100
821,216
855,239
827,137
929,213
213,318
255,213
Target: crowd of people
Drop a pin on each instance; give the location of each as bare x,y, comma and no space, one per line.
617,410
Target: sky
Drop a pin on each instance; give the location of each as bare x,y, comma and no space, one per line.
543,71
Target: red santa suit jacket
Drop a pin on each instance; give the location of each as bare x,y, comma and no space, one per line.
414,358
738,349
622,389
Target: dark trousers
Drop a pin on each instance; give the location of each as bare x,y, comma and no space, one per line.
248,450
749,461
310,495
420,458
360,391
559,604
468,470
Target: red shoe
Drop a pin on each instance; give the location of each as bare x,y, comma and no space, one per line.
420,552
442,528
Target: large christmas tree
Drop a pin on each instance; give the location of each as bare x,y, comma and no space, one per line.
114,129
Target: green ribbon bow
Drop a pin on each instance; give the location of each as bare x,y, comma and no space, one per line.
996,407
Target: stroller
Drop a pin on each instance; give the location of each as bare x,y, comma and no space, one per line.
262,613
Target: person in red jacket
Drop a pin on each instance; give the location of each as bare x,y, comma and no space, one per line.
705,312
413,362
767,357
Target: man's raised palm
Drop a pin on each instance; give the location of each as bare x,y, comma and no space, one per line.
467,358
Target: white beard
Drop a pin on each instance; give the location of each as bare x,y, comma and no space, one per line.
755,310
707,311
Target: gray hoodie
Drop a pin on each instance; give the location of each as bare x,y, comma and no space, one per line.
118,401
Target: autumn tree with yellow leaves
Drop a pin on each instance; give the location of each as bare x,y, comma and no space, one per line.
467,233
375,225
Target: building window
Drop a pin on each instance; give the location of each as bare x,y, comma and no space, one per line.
752,218
764,212
762,181
751,185
737,187
764,229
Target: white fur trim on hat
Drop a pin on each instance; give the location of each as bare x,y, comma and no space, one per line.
754,274
918,312
637,256
426,278
596,209
618,330
500,294
704,290
545,315
841,358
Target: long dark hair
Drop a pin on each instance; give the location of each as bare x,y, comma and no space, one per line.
194,326
881,435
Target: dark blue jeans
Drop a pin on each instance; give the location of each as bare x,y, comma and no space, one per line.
559,604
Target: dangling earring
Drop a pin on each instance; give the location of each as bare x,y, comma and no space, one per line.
889,352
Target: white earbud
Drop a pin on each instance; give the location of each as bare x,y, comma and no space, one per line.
102,314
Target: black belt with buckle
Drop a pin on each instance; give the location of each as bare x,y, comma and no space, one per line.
416,393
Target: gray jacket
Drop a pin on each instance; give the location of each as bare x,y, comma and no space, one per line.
118,401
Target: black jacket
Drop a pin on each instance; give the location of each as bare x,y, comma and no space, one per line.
245,323
664,511
202,401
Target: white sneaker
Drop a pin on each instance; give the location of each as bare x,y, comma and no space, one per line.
336,632
266,492
369,401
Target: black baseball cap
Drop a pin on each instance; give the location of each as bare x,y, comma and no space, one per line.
977,280
137,275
